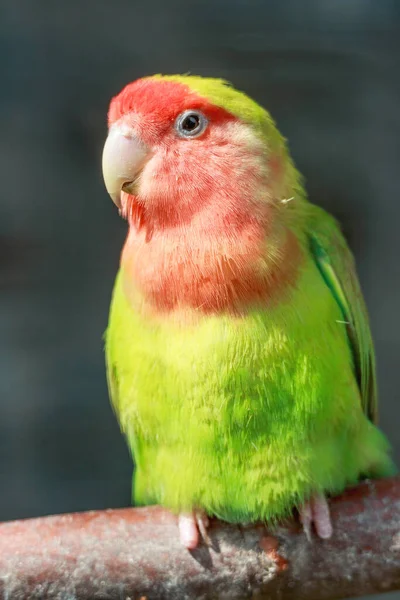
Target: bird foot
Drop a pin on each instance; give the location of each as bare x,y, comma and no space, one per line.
192,526
316,511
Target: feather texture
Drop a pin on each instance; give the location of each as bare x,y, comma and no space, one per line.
337,267
234,377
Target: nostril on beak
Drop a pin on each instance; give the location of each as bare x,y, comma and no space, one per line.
128,187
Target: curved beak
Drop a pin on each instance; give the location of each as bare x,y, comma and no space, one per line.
124,156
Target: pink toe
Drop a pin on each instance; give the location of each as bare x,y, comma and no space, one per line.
188,532
306,519
322,517
305,513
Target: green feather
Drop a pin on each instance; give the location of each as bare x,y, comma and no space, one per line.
248,416
244,417
337,267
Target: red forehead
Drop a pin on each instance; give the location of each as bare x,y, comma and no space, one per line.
161,100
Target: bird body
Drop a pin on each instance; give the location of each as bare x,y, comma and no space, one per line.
240,360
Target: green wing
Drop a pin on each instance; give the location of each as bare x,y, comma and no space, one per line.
336,264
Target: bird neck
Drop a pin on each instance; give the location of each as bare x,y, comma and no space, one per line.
227,260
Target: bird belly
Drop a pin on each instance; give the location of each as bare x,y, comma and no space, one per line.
244,417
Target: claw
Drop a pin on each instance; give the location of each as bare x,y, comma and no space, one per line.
202,523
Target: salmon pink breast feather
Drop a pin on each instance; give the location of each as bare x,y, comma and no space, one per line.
239,356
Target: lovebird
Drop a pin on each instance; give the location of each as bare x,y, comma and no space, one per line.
239,355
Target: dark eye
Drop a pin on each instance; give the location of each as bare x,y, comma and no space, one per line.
190,124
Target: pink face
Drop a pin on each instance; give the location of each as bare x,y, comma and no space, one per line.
173,154
198,188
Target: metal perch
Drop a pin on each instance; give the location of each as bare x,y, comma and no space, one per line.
135,554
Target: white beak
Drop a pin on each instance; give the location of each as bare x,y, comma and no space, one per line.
124,156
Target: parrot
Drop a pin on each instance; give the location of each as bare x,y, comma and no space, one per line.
240,360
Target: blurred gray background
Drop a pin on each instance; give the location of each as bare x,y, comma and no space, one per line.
329,72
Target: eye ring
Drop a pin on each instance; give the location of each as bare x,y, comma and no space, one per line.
191,124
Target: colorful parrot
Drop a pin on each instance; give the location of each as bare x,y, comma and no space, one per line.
239,356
